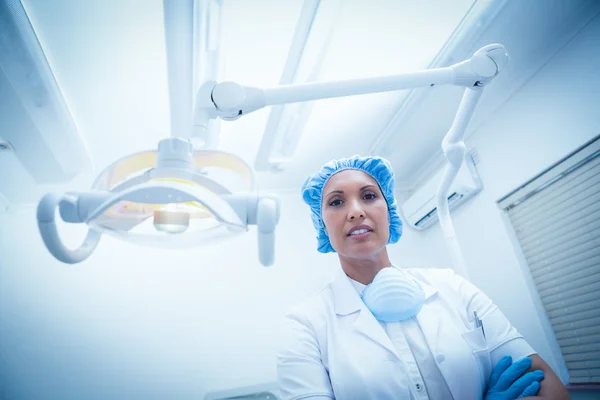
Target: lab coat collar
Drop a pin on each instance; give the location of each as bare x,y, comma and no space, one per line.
348,301
346,298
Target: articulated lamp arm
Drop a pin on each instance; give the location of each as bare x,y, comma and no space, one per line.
230,100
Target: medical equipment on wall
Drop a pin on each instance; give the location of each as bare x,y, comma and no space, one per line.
165,197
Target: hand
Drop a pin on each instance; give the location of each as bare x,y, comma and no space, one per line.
506,382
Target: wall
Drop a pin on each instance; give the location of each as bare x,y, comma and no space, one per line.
552,115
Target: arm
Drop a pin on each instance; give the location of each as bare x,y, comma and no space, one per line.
504,339
300,371
551,388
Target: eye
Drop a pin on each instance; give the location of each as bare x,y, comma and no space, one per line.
370,196
335,203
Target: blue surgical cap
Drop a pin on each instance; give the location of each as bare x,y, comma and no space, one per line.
376,167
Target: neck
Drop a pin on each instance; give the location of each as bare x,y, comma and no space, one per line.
363,270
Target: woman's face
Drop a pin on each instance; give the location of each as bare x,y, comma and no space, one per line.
355,214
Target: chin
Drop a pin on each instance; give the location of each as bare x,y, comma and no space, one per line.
363,250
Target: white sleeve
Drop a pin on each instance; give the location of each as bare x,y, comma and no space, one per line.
502,338
300,371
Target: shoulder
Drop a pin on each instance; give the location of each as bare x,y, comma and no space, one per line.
304,325
453,288
431,273
436,277
445,281
315,308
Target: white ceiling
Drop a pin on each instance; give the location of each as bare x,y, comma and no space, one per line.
109,60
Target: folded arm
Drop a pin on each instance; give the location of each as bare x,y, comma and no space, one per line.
551,388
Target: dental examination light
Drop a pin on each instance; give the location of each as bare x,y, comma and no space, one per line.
178,196
188,208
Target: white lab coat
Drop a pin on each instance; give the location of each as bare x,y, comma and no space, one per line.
335,348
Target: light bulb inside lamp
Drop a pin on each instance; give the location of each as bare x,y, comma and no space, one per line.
170,221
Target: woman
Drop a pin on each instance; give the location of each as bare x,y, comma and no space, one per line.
380,332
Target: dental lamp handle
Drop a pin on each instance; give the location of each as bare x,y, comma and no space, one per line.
46,212
264,212
267,216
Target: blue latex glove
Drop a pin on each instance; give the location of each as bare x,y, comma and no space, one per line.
506,382
531,390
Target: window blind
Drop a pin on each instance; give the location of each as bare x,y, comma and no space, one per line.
556,217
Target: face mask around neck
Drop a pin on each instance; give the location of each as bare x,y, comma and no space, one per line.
393,295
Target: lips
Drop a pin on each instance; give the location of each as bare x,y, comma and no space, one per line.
359,227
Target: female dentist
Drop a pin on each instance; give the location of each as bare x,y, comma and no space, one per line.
381,332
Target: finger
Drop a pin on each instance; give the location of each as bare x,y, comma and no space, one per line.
513,373
523,382
498,370
530,390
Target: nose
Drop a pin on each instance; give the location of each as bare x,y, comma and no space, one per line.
355,210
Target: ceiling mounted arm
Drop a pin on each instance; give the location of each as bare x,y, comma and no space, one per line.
454,147
179,34
193,57
230,100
